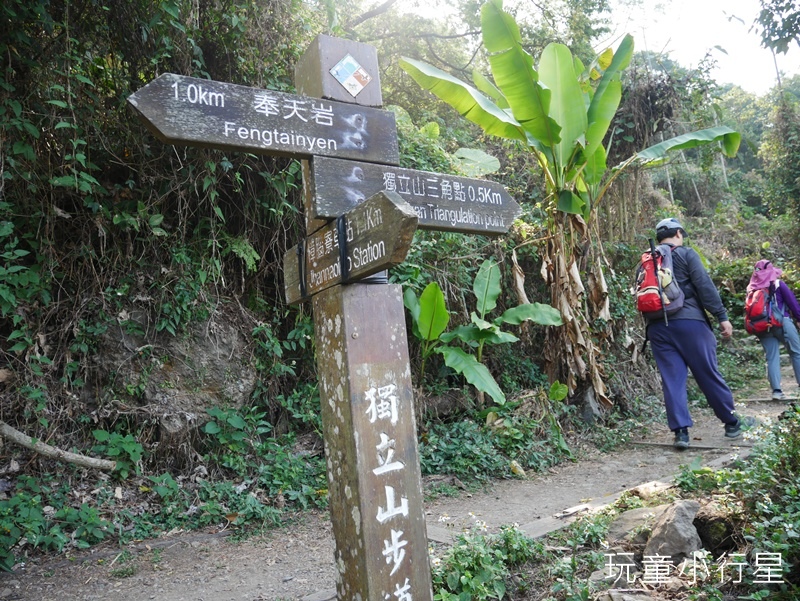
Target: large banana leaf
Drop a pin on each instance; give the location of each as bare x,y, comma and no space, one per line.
607,96
595,167
475,373
536,312
485,85
569,202
474,162
433,316
601,113
465,99
513,72
411,302
486,287
656,154
567,107
472,335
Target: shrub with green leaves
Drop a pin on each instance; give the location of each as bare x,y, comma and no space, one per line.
241,441
302,406
21,517
533,444
697,477
430,318
39,513
232,435
124,449
477,566
770,490
298,476
463,449
210,503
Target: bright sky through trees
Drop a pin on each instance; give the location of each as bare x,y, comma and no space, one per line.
686,30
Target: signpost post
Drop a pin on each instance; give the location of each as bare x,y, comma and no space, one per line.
370,434
361,214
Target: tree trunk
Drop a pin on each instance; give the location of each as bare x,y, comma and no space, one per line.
570,353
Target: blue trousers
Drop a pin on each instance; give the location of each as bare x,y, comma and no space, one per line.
683,345
787,335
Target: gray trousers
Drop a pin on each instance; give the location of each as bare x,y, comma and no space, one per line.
771,341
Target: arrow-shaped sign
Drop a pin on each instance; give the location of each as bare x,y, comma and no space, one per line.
442,202
213,114
377,235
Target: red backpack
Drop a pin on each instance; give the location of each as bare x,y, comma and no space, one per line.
656,298
760,312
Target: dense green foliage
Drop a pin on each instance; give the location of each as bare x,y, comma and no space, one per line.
106,231
102,230
259,475
779,150
478,566
779,24
429,319
98,223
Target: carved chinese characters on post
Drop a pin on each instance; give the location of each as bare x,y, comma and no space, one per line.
372,392
382,412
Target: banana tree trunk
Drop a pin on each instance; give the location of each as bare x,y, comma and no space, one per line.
570,353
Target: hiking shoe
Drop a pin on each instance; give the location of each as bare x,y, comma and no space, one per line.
735,430
681,439
778,395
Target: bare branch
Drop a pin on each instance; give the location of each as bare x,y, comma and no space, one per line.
438,36
26,441
463,69
378,10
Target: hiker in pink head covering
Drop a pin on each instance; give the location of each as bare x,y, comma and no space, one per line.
766,275
763,275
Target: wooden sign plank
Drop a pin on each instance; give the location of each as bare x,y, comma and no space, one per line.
378,234
442,202
213,114
370,434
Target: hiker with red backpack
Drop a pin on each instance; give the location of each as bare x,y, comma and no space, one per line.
771,309
683,339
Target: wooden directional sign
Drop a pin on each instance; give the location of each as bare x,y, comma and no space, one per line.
377,234
442,202
212,114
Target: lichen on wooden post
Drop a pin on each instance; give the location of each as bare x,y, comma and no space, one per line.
375,495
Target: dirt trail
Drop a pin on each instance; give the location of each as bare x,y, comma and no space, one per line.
297,562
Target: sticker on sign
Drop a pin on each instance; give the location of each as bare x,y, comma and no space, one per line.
351,75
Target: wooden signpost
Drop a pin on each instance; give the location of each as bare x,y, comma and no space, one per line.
442,202
361,214
377,235
212,114
374,482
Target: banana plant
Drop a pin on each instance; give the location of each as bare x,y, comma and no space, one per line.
562,111
430,319
555,110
